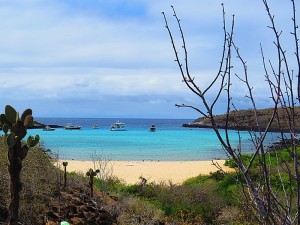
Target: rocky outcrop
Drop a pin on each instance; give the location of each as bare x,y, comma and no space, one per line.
77,208
197,124
246,120
38,125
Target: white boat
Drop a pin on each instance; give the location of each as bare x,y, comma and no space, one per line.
48,128
152,128
118,126
95,126
72,127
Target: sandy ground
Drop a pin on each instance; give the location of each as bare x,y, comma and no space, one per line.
130,171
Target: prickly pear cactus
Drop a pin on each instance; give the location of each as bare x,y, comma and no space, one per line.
15,129
65,164
91,174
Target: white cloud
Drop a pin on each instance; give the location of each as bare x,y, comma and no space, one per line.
60,50
113,82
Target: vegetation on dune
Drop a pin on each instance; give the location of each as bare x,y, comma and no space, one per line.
211,199
199,200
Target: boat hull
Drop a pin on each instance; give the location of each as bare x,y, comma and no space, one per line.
48,128
118,126
72,128
117,129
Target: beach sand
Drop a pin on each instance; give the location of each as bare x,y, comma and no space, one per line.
153,171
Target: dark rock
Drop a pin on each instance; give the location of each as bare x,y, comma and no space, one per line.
72,209
53,216
3,213
105,217
77,208
54,209
76,221
91,208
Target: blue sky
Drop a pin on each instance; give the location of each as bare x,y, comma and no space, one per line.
113,58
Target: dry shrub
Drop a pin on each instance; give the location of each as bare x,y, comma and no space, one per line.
185,217
77,180
134,211
231,215
228,215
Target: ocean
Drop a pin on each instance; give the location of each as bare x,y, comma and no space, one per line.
170,142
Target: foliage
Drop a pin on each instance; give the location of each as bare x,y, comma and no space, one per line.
196,181
198,200
135,211
281,156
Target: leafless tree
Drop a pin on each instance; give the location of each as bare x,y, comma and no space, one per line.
268,205
104,165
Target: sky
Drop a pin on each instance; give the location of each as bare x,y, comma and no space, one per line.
114,59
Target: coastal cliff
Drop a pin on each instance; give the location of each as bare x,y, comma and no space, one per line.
245,120
38,125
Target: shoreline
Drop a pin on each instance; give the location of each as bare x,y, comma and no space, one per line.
153,171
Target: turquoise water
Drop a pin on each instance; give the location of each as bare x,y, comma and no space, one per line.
171,141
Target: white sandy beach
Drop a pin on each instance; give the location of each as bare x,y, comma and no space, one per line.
153,171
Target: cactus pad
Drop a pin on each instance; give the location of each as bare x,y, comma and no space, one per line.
5,128
11,114
33,141
28,121
11,140
27,112
23,152
4,120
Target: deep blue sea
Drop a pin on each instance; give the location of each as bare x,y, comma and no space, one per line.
171,141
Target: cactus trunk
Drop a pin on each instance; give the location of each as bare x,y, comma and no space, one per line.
65,178
14,168
15,129
91,174
91,183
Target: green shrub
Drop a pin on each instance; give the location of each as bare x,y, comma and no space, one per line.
195,181
273,158
283,181
218,175
230,163
130,189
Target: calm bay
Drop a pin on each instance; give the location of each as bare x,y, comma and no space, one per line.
170,142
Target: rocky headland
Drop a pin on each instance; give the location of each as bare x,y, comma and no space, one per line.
245,120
